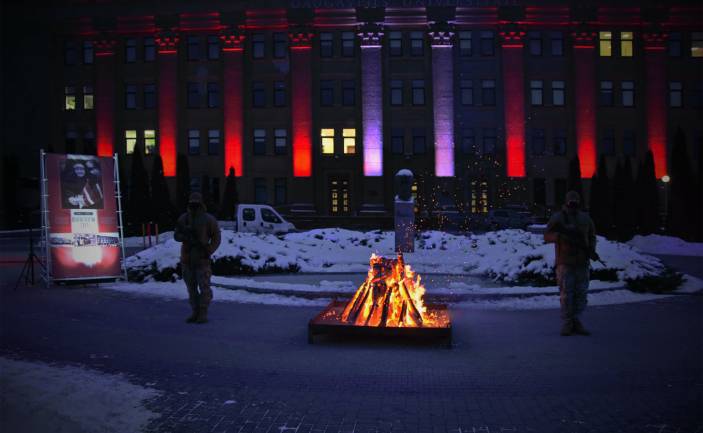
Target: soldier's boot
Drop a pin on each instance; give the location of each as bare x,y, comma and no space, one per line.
567,328
202,315
579,328
193,317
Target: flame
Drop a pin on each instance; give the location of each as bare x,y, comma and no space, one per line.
392,295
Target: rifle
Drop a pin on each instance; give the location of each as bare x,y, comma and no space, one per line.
575,237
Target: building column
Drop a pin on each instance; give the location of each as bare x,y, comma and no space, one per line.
105,96
301,112
233,50
514,101
168,98
372,100
585,100
655,68
443,101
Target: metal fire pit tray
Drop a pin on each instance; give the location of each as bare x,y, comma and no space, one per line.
328,322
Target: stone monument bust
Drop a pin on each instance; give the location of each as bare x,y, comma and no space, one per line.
403,184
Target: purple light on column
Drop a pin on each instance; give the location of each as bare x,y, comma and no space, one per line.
443,104
372,103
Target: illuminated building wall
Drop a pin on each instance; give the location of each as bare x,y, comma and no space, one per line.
443,102
372,102
105,97
585,101
301,81
232,52
514,102
168,96
655,60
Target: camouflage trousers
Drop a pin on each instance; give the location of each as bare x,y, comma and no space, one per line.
197,279
573,290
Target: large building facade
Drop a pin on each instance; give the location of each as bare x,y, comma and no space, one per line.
317,107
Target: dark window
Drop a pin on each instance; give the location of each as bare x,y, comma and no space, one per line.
608,142
88,98
628,142
468,141
465,44
130,96
215,188
675,94
279,192
558,93
347,44
258,46
149,49
560,142
194,142
249,214
326,93
467,92
489,141
89,143
213,95
213,47
71,140
348,92
627,93
130,53
326,46
606,93
538,142
397,141
193,95
396,92
279,93
258,94
487,43
259,141
213,142
260,193
536,92
697,96
535,43
70,57
417,43
395,44
557,43
418,92
559,191
280,45
149,96
88,52
419,142
280,141
539,191
488,92
674,44
193,47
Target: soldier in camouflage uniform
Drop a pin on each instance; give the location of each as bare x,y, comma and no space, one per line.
573,233
200,236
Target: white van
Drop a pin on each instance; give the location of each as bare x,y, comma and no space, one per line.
260,218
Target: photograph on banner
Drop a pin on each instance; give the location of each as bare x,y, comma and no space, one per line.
84,239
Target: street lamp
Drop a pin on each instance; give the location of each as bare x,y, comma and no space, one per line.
666,179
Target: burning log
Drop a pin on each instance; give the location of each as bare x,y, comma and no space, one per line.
391,296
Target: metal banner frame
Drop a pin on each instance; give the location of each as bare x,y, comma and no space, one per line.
118,197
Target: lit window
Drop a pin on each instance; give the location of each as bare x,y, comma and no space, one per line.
280,141
130,51
259,141
479,196
465,44
697,44
88,52
626,44
326,48
69,98
606,44
558,93
130,140
213,141
395,44
675,94
347,44
149,141
536,92
349,136
88,98
193,142
327,140
627,91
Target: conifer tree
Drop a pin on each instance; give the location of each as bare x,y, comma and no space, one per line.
574,179
230,198
182,182
139,200
162,210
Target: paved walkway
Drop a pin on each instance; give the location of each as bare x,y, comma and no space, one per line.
251,369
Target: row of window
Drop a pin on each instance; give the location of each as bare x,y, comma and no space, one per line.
208,48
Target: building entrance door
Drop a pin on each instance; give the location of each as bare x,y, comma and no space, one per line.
339,195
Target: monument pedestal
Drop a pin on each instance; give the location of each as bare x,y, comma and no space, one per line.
404,225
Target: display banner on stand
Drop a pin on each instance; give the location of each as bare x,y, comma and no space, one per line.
81,217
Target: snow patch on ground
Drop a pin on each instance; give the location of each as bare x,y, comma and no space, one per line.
38,397
667,245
